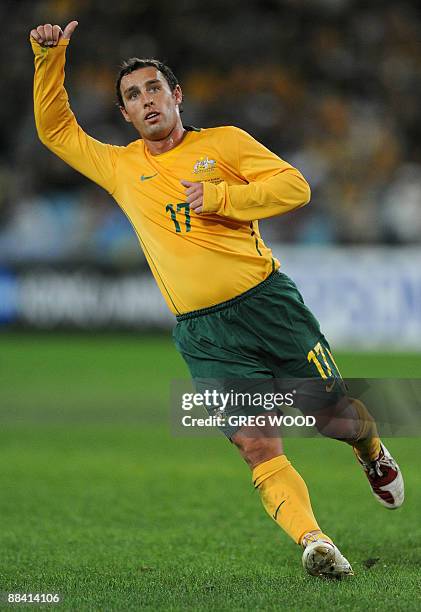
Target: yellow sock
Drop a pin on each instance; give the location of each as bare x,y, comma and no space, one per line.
285,497
367,442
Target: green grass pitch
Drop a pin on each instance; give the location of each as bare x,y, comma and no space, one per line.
100,503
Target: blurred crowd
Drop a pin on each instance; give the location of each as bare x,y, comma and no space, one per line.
333,86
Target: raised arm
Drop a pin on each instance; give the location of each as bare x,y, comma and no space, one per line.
55,122
273,187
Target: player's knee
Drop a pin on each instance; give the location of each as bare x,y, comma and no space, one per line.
256,450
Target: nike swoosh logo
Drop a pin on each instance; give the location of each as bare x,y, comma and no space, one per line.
330,387
277,509
146,178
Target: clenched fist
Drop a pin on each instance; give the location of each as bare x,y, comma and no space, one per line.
48,35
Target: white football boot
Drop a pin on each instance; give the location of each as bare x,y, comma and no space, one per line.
322,558
385,479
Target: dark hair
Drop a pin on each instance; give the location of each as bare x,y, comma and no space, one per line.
134,63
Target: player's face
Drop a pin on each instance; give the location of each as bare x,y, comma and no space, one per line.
149,103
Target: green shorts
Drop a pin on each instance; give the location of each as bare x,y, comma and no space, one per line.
265,333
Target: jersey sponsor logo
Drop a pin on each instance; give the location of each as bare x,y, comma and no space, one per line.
146,178
203,165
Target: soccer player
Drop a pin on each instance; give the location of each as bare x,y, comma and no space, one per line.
194,198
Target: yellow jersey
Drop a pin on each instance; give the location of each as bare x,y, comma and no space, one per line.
197,260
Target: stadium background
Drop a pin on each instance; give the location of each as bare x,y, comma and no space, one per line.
86,362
